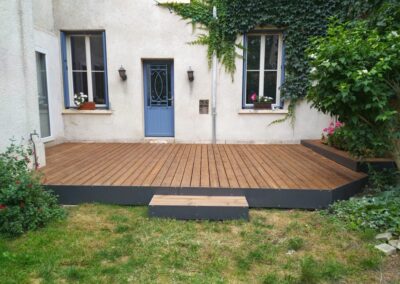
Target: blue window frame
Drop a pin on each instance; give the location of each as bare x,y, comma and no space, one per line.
263,66
84,63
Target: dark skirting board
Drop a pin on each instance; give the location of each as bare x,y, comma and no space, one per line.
347,161
257,198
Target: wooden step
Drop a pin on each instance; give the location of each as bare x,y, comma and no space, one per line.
190,207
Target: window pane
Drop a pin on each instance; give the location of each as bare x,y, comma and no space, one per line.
80,82
96,52
271,51
98,88
270,84
253,52
44,114
78,53
253,79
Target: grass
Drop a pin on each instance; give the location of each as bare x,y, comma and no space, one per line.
112,244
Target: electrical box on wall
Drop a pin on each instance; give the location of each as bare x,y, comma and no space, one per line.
203,106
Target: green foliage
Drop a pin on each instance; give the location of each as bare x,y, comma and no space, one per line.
300,20
381,180
355,75
381,212
24,204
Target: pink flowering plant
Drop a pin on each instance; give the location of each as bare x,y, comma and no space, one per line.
260,99
335,135
24,203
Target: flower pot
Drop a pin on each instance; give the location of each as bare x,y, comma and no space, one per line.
262,105
87,106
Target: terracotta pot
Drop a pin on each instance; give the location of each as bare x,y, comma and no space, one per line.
87,106
262,105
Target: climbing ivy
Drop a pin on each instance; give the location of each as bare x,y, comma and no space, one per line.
299,20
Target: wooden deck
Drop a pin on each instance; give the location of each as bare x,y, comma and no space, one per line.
193,166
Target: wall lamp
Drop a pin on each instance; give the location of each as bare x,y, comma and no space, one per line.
190,73
122,73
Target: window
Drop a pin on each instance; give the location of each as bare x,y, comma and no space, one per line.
262,67
85,69
44,114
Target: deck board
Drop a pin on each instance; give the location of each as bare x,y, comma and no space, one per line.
193,166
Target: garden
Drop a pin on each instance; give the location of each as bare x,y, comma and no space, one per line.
348,68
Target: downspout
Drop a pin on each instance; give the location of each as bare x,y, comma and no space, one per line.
214,90
35,159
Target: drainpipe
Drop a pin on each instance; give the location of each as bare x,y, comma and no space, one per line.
214,90
35,159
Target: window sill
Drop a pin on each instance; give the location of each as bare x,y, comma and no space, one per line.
87,112
263,111
47,139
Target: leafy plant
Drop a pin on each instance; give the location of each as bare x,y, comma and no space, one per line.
380,213
260,99
80,98
355,76
382,179
300,20
24,204
335,135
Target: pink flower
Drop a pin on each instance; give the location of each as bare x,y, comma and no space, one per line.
2,206
253,97
338,124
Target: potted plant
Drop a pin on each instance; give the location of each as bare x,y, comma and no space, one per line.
261,102
81,103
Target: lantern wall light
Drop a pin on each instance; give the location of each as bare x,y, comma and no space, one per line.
190,74
122,73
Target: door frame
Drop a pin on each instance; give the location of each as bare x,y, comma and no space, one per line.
145,62
49,98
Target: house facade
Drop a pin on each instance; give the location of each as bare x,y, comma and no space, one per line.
54,49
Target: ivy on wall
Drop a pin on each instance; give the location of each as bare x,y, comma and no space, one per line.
299,20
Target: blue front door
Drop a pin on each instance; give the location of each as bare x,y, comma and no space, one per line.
159,98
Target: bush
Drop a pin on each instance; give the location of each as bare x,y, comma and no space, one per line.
380,212
24,204
383,179
355,75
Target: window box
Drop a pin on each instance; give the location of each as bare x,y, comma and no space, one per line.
87,106
262,105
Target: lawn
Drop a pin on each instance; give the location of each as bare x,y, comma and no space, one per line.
114,244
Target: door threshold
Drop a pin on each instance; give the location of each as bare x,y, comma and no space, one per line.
159,140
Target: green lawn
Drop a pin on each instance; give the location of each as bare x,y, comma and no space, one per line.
112,244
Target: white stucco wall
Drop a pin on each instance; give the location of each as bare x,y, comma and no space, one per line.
138,30
19,112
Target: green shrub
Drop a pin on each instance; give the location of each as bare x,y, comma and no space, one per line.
24,204
380,212
354,76
381,180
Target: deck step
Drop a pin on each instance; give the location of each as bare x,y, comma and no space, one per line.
192,207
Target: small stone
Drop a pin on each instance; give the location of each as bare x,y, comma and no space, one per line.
386,249
384,236
394,243
290,252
